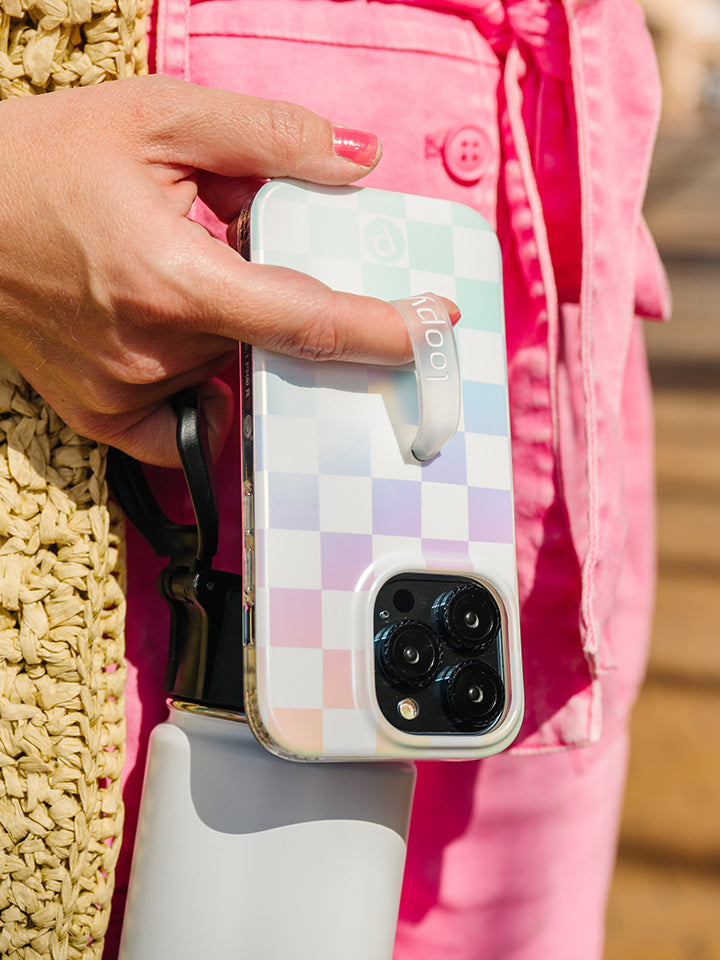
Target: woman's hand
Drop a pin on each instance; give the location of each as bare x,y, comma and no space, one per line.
111,299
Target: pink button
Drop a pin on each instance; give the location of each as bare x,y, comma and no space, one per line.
466,153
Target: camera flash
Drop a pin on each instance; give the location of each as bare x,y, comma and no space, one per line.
408,709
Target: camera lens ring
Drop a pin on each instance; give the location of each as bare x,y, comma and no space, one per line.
472,695
468,617
408,654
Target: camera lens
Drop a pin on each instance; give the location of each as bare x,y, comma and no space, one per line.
403,600
408,653
468,616
473,695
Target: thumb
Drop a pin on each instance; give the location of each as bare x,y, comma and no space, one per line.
241,136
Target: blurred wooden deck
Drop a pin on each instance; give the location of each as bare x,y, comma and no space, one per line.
665,902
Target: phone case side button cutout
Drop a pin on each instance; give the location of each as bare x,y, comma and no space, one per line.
248,514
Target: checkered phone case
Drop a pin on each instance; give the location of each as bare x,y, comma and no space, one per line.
335,506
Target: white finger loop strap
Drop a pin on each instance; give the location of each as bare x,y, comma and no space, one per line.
437,370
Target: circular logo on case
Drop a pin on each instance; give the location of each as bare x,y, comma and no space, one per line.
384,240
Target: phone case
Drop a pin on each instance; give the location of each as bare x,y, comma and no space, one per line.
335,504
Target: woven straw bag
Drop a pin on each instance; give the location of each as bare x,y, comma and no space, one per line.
62,606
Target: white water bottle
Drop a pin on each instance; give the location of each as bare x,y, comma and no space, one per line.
243,856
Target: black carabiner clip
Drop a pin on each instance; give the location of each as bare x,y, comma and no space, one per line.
208,616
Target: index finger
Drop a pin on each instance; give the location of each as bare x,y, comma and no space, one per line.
290,312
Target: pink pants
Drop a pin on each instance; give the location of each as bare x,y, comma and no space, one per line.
509,858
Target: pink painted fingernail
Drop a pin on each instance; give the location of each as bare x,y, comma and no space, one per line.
356,145
453,310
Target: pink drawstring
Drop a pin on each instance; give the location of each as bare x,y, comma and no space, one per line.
589,623
526,214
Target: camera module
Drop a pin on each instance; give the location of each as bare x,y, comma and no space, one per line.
472,694
439,654
468,617
408,653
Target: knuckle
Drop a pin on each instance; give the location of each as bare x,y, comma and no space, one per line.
319,340
158,105
162,82
142,97
155,88
137,371
288,129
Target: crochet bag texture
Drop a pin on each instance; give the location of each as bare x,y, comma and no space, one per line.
62,606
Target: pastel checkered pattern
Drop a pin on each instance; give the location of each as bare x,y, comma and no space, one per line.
339,502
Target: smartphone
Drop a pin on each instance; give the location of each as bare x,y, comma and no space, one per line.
381,590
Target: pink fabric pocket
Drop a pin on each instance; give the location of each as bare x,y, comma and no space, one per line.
412,76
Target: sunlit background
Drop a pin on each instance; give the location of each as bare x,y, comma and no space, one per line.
665,902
